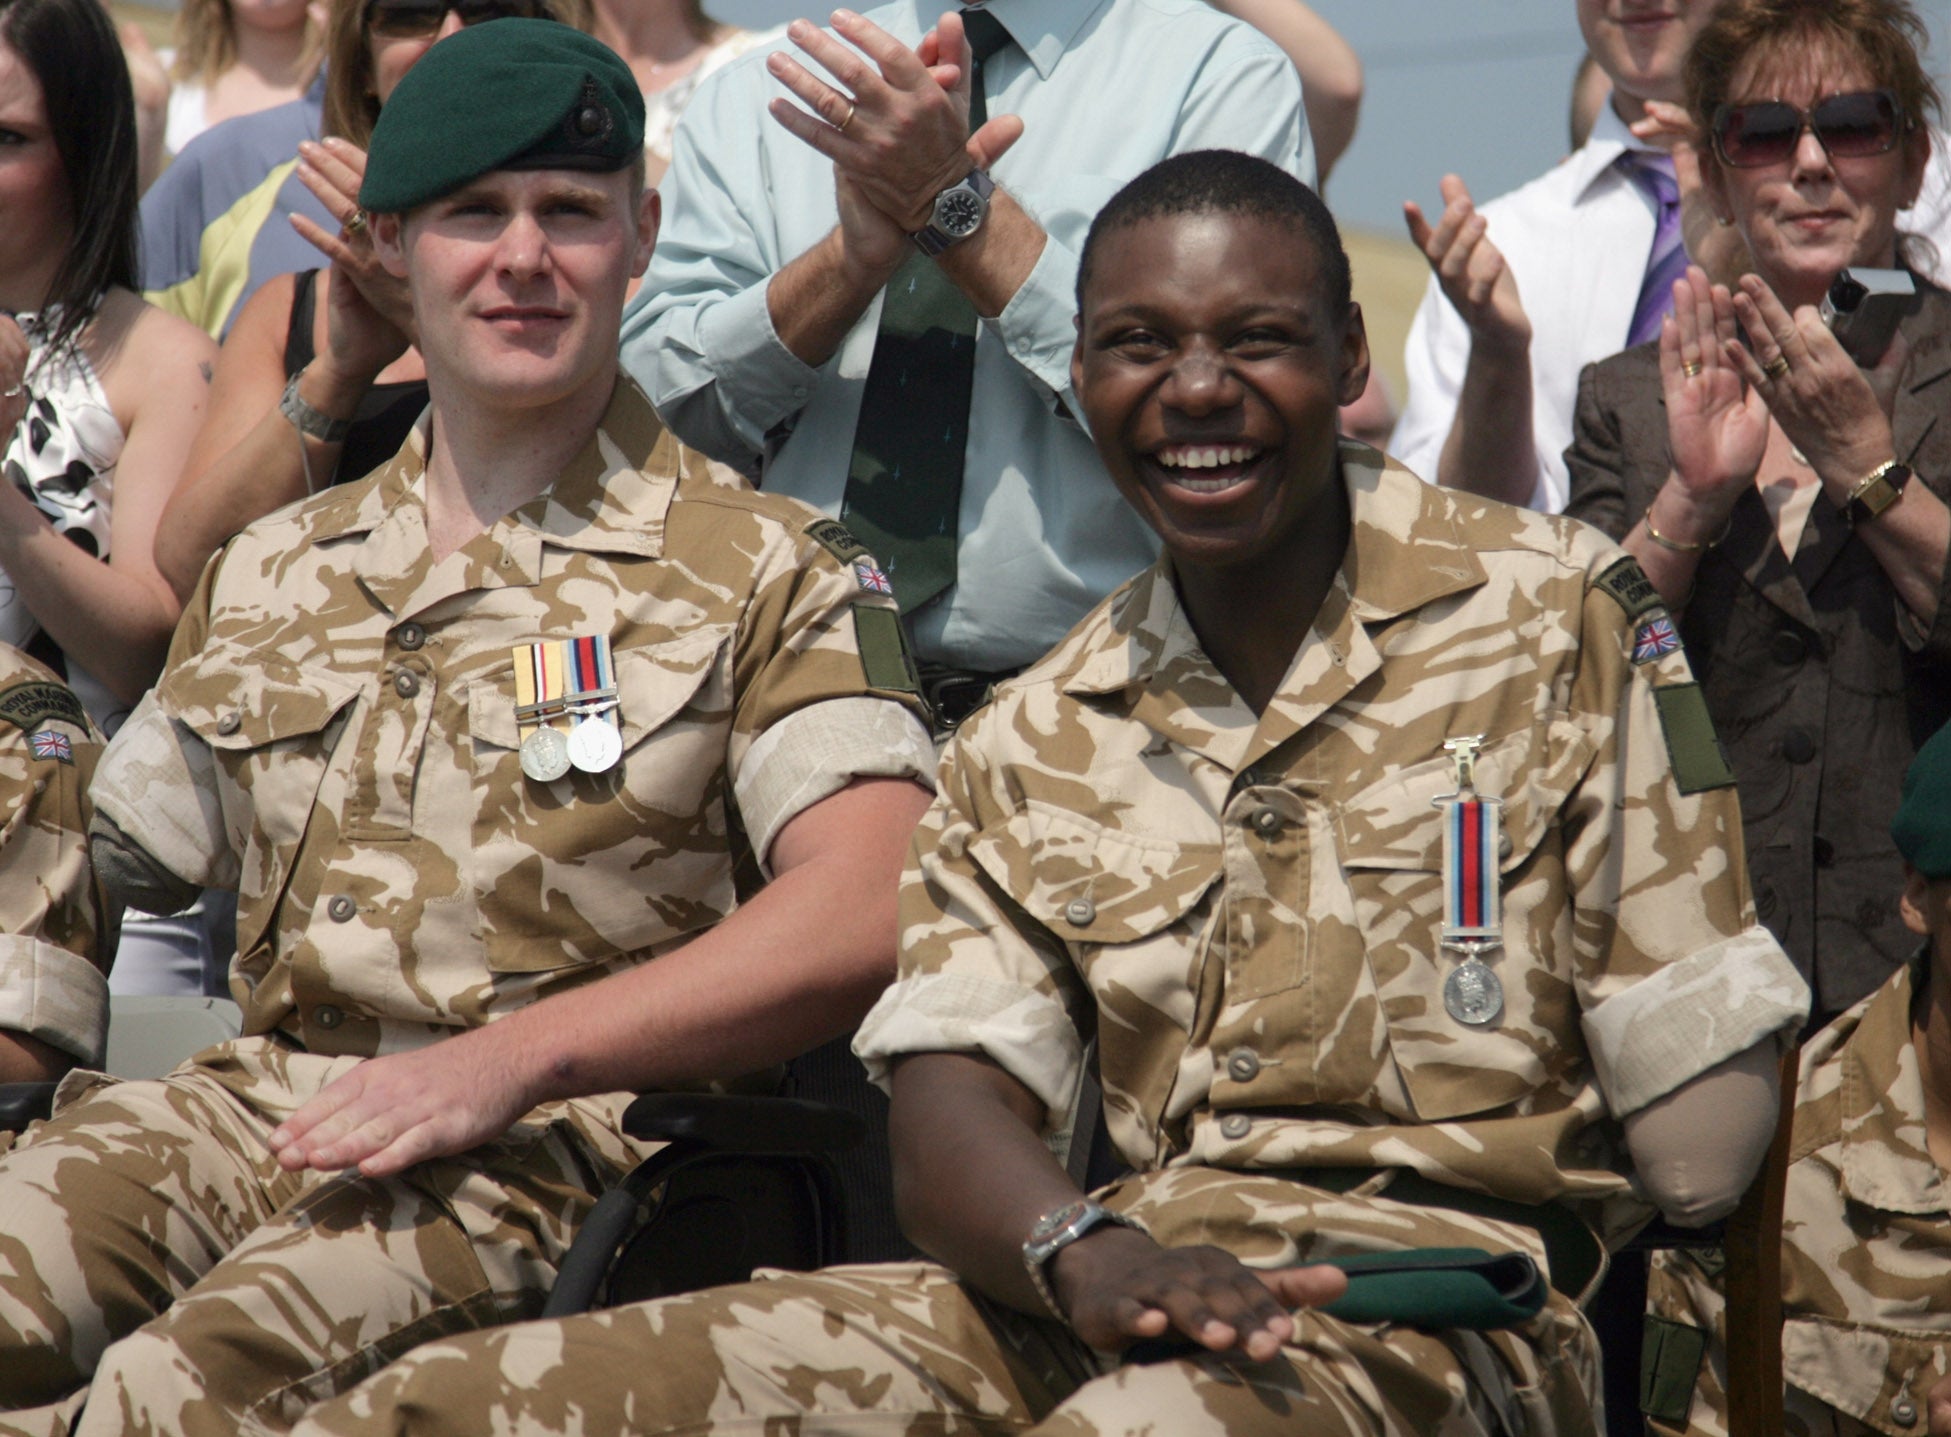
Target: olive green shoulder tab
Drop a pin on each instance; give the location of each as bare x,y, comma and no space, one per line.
1669,1365
29,704
1699,761
836,538
883,644
1629,587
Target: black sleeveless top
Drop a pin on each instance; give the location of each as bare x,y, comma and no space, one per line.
384,417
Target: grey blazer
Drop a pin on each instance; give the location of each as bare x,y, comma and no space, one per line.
1821,684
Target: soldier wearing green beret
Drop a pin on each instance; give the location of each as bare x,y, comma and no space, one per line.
1866,1224
474,738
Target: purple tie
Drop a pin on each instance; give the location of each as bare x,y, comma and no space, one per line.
1667,262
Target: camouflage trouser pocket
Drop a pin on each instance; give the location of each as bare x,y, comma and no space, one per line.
1669,1367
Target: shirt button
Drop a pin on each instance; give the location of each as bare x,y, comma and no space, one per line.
341,909
1788,647
1079,912
1243,1065
1235,1125
326,1016
230,723
1904,1410
411,636
1266,821
1798,746
1825,852
405,684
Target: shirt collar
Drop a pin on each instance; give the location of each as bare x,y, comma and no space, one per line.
1595,159
601,503
1886,1159
1043,29
1405,550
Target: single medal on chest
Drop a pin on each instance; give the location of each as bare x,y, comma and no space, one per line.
540,681
594,742
1473,919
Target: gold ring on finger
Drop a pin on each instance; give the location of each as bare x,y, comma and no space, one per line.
1690,368
842,126
355,224
1777,367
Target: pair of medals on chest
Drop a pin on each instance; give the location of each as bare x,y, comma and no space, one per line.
566,704
1473,917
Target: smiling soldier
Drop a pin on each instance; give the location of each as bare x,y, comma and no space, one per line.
1211,829
482,741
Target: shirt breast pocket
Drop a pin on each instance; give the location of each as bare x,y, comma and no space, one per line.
273,727
1391,836
591,866
1130,907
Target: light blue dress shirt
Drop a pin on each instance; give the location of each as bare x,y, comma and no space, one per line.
1105,88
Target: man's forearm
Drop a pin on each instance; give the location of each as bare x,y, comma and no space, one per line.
995,262
816,299
1490,449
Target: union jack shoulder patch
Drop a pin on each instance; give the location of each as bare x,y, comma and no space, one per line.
1655,637
872,578
49,744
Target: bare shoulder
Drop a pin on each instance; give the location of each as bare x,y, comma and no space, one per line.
140,352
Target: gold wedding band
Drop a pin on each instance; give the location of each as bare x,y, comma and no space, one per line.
1777,367
1689,368
842,126
357,223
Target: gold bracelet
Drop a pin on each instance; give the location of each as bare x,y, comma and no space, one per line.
1676,546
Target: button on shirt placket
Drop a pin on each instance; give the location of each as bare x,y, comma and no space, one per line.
1264,834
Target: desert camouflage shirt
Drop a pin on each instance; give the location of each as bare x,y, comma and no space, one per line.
1244,910
335,733
54,950
1866,1228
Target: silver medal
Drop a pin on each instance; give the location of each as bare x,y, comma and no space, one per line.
545,755
595,745
1472,993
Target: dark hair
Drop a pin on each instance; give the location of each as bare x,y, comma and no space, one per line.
1886,35
1226,182
72,48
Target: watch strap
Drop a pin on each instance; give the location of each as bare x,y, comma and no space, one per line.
1877,491
1057,1230
307,419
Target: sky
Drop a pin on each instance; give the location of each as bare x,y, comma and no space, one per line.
1478,87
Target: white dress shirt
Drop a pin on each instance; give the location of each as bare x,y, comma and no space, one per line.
1105,89
1577,241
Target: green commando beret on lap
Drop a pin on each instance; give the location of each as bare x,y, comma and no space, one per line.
509,94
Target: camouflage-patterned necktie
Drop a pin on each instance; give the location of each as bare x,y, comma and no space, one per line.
904,485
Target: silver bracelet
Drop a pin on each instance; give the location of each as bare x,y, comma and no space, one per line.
308,420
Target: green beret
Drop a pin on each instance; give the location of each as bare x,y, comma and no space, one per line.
1922,826
511,94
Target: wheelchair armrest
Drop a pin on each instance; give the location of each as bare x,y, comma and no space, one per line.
23,1103
739,1123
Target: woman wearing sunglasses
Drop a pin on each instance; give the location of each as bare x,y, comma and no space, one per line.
1786,503
318,381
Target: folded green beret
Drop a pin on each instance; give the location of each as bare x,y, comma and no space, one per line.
1922,826
511,94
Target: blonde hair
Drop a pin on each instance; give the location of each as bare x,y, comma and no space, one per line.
206,42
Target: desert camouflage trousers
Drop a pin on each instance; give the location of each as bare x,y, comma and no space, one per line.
907,1349
159,1273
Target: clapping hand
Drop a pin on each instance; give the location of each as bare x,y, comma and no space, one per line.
1471,270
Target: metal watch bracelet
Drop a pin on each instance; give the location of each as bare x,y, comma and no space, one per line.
307,419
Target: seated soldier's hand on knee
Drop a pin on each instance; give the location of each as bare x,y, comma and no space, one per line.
1118,1287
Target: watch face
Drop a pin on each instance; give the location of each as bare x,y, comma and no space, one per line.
959,213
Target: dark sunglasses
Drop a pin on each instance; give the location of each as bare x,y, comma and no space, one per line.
417,19
1866,122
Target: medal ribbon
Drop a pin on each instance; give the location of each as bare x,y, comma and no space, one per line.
539,684
1470,895
590,671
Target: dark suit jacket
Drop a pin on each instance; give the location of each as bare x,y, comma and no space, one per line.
1822,686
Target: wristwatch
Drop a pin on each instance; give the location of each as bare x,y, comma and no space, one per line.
1884,487
309,420
1057,1230
959,212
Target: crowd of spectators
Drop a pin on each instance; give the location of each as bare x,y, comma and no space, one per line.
220,358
